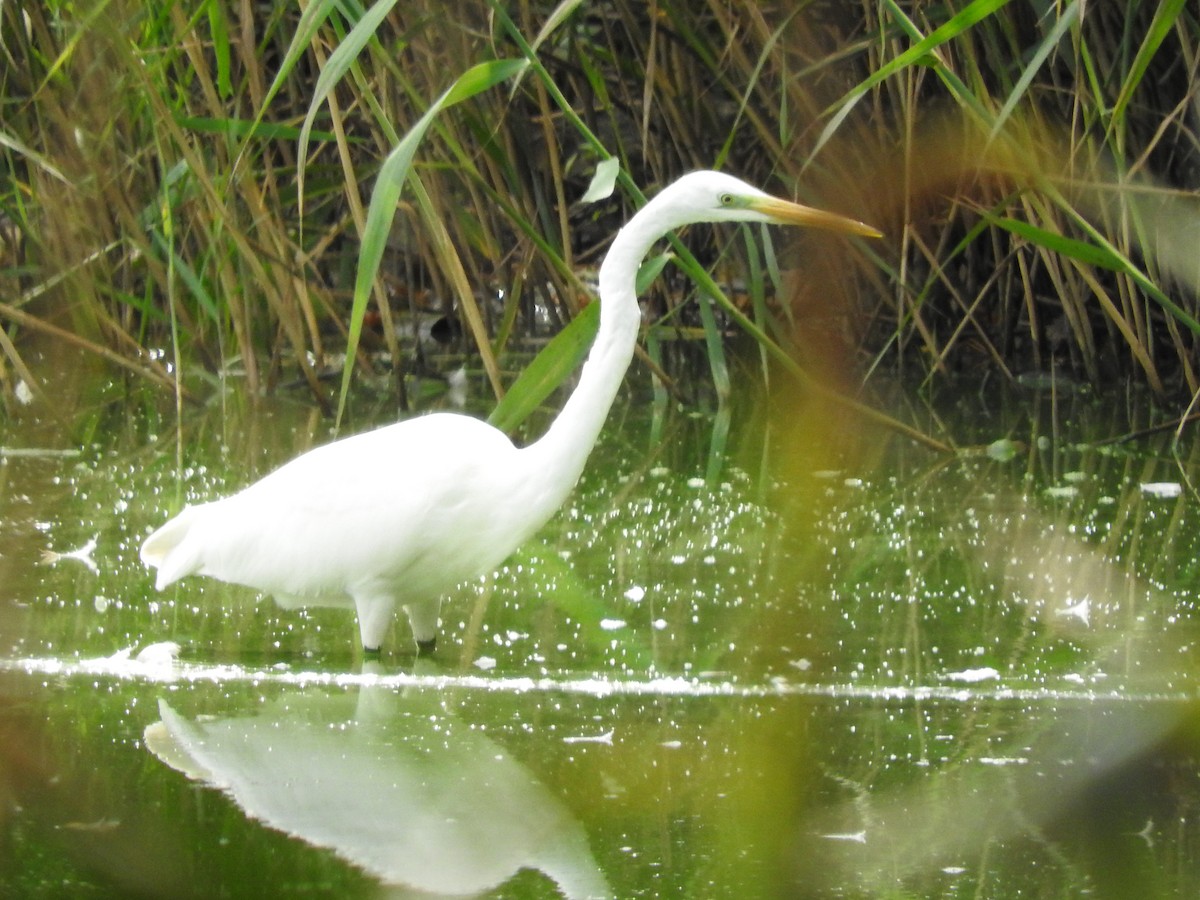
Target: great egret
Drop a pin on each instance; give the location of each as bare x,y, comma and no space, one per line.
400,515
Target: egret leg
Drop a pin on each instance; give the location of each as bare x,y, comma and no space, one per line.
423,616
374,617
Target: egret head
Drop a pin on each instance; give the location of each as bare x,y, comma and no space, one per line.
717,197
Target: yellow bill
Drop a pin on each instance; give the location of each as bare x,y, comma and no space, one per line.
786,212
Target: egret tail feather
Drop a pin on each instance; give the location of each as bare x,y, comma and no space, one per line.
169,551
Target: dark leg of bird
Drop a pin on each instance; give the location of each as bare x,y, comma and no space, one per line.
423,617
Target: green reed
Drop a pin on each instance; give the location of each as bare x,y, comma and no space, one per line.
212,190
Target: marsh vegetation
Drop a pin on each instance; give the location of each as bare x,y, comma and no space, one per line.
188,189
780,642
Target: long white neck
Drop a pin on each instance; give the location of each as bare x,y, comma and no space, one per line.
559,455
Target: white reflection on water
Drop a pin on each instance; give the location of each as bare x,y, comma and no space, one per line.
124,665
392,782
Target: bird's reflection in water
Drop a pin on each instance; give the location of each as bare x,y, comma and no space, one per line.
391,782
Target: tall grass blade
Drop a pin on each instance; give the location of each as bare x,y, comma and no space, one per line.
395,171
247,128
338,64
560,14
651,269
1020,90
315,13
1091,254
1165,17
548,370
19,147
1102,254
451,263
218,27
919,53
714,345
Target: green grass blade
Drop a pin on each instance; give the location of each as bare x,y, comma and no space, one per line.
193,282
1102,254
1164,20
310,20
548,369
714,344
1069,17
917,54
650,270
765,57
21,149
560,14
219,28
559,358
338,64
1083,251
395,170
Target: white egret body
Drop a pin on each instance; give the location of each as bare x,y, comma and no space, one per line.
400,515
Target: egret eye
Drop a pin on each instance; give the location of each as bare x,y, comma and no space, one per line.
727,200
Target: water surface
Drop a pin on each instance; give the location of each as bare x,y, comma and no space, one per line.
828,664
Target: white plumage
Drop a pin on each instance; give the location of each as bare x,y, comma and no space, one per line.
400,515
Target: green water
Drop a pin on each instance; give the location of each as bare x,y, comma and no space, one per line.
858,670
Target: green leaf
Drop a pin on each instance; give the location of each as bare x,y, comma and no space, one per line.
548,370
338,64
650,270
386,194
310,20
1065,21
603,181
480,78
1091,254
1003,450
919,53
220,47
1165,18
